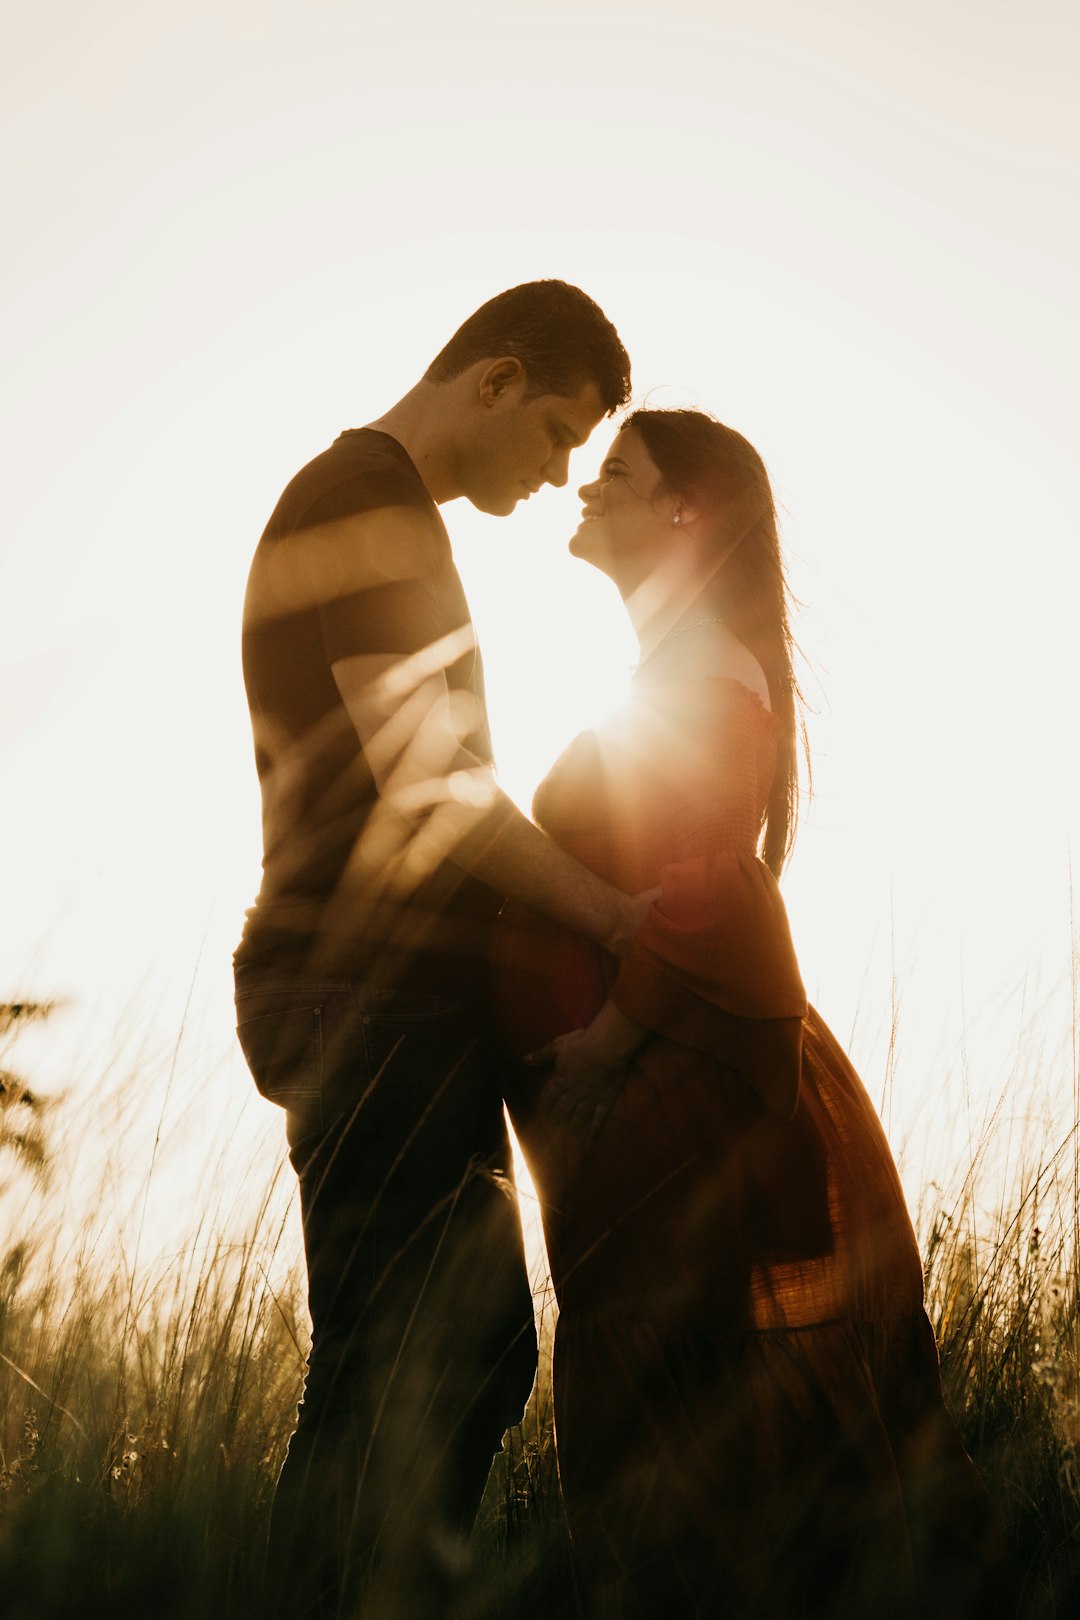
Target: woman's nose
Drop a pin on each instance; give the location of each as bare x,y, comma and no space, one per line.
587,491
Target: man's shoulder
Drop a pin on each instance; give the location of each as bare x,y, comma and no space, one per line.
357,519
362,471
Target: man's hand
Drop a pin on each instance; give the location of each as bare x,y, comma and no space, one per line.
632,914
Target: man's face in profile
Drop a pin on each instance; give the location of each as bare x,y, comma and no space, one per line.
526,442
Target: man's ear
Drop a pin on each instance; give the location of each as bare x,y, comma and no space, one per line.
499,378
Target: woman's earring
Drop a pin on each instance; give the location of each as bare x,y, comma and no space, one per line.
677,518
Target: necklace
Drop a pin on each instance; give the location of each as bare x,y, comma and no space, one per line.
671,634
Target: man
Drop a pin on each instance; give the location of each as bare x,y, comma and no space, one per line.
360,1002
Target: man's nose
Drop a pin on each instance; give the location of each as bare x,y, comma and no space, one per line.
557,470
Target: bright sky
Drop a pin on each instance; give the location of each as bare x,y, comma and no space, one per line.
848,228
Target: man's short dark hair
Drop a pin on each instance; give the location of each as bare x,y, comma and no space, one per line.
562,338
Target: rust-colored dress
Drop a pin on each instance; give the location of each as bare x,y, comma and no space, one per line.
748,1413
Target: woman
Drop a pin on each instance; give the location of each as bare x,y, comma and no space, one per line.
748,1413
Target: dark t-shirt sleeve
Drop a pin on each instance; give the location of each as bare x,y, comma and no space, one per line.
396,618
377,554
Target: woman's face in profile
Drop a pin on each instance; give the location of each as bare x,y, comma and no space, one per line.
625,515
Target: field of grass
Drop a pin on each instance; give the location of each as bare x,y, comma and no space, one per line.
146,1395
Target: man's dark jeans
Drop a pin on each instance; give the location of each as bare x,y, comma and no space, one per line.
423,1348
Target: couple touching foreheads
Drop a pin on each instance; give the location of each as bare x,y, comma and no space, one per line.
748,1413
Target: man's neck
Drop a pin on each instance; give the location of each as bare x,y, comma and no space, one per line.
419,424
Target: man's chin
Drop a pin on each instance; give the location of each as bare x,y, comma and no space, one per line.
495,505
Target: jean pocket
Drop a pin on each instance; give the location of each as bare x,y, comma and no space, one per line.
397,1006
284,1051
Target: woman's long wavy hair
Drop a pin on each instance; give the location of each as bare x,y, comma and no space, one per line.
720,473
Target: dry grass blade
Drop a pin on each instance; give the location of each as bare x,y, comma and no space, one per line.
25,1376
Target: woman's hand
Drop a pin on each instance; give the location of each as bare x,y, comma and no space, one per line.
589,1068
583,1083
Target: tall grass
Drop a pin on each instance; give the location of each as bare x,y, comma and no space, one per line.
145,1396
1003,1292
147,1393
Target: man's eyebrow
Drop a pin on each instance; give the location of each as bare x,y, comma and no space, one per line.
568,436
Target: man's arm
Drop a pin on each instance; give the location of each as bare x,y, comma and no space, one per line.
411,725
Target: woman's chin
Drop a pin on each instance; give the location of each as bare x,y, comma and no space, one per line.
581,544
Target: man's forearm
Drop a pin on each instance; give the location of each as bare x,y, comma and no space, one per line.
511,855
441,802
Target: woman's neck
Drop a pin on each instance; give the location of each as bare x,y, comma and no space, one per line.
660,605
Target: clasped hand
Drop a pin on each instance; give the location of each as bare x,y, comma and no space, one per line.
584,1080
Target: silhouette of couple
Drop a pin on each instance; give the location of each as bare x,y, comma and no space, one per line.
748,1413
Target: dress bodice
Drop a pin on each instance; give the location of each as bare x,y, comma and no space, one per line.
680,771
